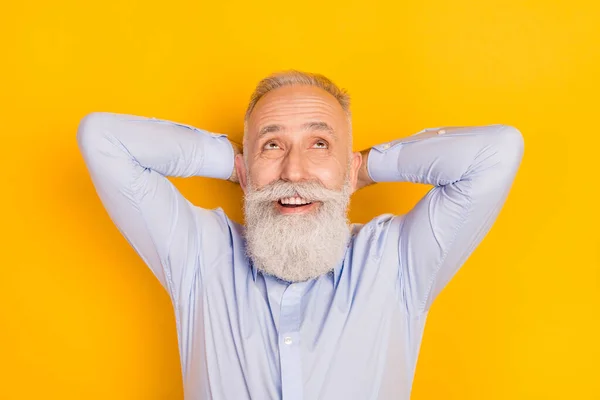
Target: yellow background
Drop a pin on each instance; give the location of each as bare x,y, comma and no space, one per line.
81,317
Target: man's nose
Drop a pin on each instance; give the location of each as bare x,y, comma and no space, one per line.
294,167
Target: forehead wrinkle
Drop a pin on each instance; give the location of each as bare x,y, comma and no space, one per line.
273,109
267,107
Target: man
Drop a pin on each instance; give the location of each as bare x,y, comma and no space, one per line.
298,303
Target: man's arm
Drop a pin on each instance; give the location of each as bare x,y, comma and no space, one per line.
472,169
128,158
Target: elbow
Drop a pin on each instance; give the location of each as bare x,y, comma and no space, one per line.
510,144
512,140
89,130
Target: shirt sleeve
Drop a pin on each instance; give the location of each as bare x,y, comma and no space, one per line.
129,158
472,170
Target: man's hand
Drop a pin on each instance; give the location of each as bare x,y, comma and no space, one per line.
237,149
363,175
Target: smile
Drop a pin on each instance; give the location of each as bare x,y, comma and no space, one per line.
293,201
294,205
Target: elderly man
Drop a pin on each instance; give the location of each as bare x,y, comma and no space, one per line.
299,303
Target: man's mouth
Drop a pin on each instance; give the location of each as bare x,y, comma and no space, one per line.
293,202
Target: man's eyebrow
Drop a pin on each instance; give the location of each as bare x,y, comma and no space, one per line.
309,126
318,126
270,129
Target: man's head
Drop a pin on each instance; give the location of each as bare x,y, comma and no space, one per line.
297,172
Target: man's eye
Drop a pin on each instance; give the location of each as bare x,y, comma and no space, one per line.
321,144
271,146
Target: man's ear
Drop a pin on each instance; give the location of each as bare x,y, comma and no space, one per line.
355,166
240,170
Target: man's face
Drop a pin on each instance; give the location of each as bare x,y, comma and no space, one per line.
298,134
297,182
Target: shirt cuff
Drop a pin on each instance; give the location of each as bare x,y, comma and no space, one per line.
218,156
382,164
378,166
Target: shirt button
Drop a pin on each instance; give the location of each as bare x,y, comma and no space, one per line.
441,131
287,340
386,146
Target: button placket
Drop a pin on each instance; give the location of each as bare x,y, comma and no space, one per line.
289,342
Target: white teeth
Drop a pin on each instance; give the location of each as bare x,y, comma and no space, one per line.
294,200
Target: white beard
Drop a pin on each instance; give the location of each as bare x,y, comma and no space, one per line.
296,247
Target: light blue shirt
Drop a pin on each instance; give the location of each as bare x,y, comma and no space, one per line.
351,334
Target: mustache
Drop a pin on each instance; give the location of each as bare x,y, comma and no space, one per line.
309,190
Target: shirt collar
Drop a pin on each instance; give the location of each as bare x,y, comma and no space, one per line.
337,272
254,271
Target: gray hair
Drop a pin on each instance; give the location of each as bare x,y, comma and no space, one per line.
294,77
